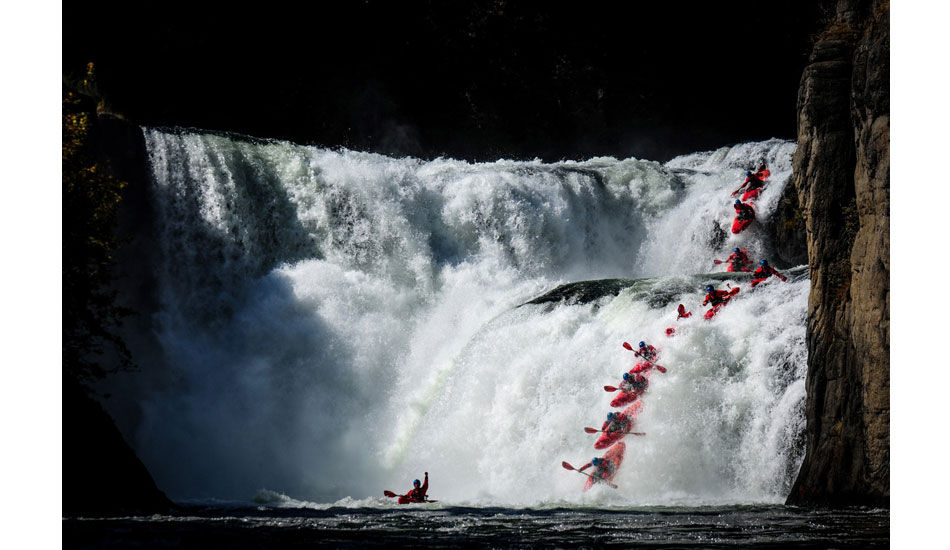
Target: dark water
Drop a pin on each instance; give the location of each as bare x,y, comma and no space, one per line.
453,527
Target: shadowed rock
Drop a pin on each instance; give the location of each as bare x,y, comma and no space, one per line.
842,174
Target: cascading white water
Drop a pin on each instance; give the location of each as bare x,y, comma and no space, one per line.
333,323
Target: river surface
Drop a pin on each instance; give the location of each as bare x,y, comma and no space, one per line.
452,527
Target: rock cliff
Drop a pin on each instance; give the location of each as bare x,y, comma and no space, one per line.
102,476
842,176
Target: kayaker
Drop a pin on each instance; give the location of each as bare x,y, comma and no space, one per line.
634,381
752,181
764,272
616,422
418,493
738,260
743,211
646,351
602,467
715,297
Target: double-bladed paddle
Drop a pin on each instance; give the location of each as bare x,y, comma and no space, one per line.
595,430
602,480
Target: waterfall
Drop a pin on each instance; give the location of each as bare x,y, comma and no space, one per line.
333,323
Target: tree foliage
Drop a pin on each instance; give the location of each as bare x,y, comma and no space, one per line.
91,197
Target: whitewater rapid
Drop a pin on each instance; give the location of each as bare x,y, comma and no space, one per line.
331,323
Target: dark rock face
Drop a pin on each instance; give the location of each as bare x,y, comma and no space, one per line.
842,175
786,229
656,293
101,474
583,292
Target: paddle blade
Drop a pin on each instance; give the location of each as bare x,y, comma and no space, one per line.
717,262
591,430
660,368
627,346
610,388
567,466
389,494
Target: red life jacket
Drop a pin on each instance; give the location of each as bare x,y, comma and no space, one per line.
738,259
605,469
744,211
420,493
754,182
601,471
717,297
620,423
634,383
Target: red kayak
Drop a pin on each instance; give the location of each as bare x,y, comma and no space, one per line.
751,194
681,312
614,457
738,226
715,309
403,499
641,366
625,397
732,267
607,439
